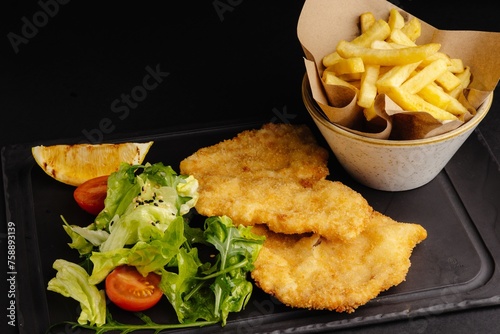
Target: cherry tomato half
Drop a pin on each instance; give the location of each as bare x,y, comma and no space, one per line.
131,291
90,195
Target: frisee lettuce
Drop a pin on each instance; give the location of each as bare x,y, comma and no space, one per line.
145,224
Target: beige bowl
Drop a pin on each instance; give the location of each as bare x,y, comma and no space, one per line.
391,165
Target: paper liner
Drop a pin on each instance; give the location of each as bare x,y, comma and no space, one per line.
323,23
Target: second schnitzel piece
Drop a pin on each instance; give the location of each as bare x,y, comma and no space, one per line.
276,176
308,271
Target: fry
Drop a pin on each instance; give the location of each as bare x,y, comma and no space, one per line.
349,65
456,65
391,57
465,78
366,20
395,76
399,37
455,107
412,102
412,29
436,56
350,76
331,79
379,30
382,45
370,113
387,45
395,20
448,81
427,75
368,89
331,59
436,95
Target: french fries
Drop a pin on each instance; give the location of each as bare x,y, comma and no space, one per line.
424,77
378,30
386,59
368,88
366,20
395,20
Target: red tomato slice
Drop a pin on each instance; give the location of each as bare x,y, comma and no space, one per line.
90,195
131,291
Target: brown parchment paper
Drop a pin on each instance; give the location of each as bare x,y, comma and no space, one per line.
323,23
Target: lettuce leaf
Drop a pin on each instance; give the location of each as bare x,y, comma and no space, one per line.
157,184
73,281
145,256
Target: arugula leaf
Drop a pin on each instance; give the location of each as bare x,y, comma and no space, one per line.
210,292
191,299
238,249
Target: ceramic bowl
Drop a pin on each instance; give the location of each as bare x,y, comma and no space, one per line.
391,165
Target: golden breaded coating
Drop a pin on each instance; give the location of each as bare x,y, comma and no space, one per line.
329,208
275,150
308,271
276,175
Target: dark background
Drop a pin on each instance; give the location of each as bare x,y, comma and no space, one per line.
240,60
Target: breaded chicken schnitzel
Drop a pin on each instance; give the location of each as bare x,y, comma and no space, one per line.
276,176
308,271
325,248
275,150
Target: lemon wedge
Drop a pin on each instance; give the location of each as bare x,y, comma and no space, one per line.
77,163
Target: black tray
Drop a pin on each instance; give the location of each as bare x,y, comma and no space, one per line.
454,268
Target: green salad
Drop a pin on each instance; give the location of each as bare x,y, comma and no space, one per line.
145,224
